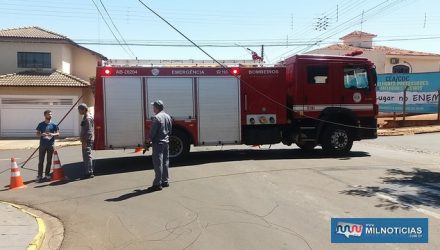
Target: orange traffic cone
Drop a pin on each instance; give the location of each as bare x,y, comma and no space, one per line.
58,174
16,180
138,150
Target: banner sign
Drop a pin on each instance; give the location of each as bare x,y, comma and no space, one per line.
421,97
379,230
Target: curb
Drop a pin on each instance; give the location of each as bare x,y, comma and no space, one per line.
37,241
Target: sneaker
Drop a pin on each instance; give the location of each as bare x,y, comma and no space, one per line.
39,179
165,184
47,178
154,188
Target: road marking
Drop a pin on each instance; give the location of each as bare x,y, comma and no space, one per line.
420,210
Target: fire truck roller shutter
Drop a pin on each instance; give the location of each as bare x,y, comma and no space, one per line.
123,112
219,110
176,94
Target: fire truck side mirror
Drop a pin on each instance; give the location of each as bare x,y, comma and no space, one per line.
374,75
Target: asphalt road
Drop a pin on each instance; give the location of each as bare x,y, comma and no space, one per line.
239,197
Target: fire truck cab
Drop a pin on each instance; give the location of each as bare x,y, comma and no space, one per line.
308,100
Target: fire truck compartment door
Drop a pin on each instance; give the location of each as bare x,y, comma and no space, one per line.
123,112
176,94
219,110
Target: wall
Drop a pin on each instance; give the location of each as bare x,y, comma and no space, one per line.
8,52
84,63
359,41
377,58
417,64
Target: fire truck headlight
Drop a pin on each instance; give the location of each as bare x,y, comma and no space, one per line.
263,119
272,120
252,121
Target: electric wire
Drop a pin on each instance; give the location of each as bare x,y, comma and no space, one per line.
108,26
247,84
117,30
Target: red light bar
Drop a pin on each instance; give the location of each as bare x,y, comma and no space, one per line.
235,71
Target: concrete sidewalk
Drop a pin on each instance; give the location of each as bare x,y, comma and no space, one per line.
15,143
20,229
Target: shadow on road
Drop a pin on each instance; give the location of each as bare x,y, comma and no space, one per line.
74,171
412,188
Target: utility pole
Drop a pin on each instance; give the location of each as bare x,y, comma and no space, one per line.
404,102
337,12
362,20
262,53
438,105
291,23
424,22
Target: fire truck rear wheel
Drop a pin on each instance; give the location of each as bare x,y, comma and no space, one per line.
179,145
337,140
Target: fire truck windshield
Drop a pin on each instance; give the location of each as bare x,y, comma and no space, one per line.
355,78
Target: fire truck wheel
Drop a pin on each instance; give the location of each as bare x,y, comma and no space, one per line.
337,140
179,145
306,146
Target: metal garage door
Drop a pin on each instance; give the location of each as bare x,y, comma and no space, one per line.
19,116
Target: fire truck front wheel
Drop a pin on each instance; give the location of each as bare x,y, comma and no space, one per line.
337,140
179,144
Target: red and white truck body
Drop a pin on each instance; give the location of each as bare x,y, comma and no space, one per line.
308,100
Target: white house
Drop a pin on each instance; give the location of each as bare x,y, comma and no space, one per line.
386,59
40,70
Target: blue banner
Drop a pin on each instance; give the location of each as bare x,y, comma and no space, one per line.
379,230
421,97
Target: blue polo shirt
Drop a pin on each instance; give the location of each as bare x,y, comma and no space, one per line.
47,127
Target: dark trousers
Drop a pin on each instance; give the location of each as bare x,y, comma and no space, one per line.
87,157
161,162
42,152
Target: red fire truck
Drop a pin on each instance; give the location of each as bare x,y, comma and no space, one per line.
309,100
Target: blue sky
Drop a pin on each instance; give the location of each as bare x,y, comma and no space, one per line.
284,27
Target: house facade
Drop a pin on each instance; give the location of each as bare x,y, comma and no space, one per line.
41,70
387,59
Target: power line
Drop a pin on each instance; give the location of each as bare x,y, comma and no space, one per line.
343,26
116,28
256,45
108,26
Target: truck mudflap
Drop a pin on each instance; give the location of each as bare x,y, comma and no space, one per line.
367,130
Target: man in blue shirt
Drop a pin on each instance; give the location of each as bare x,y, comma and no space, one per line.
46,130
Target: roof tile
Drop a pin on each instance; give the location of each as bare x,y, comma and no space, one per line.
41,79
35,32
384,49
31,32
